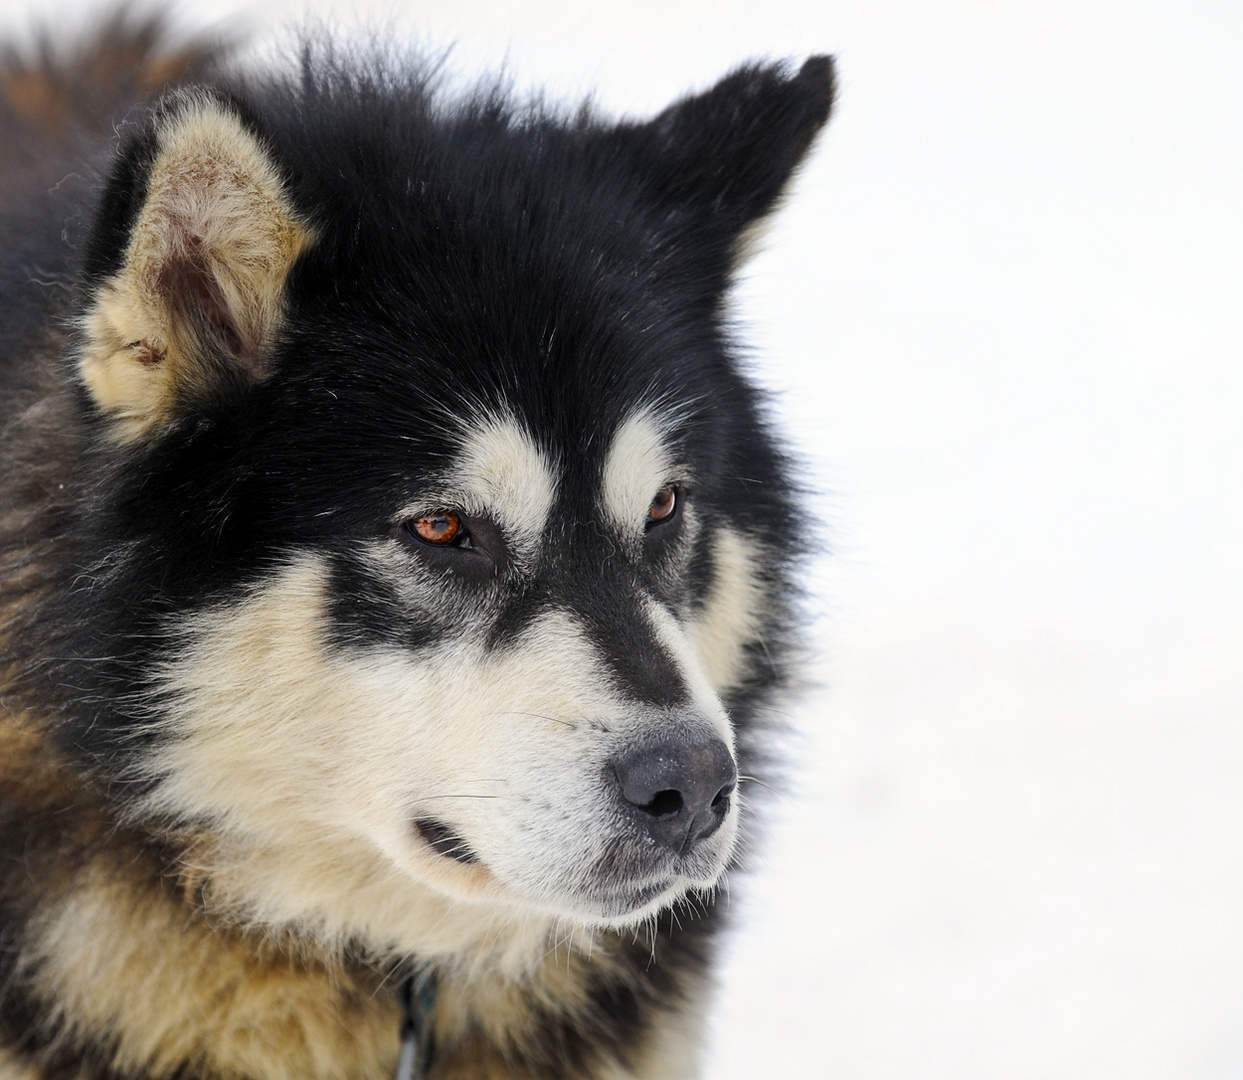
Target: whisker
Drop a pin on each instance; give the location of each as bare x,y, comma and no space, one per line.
393,970
537,716
429,798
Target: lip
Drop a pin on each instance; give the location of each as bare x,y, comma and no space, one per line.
444,840
623,902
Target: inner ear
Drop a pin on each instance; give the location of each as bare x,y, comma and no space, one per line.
194,296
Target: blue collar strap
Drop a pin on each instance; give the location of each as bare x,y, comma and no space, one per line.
418,999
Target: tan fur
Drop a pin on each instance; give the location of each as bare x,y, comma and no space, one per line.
177,991
674,1049
32,775
12,1069
212,948
65,87
215,203
129,961
20,744
732,616
243,920
51,97
500,1010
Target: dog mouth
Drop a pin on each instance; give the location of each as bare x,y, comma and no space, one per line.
443,840
623,901
615,898
613,876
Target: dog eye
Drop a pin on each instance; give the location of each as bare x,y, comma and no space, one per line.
663,507
441,528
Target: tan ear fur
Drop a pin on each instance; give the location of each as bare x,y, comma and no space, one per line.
199,294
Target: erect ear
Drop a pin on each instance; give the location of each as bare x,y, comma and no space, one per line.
188,262
729,152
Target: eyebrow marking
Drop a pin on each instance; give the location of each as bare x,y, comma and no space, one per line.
637,467
510,476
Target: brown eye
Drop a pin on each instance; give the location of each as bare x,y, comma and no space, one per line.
440,528
663,506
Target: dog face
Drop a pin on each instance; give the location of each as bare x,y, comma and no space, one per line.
520,713
452,530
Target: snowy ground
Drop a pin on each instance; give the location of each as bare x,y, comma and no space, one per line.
1003,311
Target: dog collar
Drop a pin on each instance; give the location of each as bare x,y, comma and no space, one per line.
418,999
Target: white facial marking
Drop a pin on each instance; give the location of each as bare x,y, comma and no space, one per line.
510,476
636,468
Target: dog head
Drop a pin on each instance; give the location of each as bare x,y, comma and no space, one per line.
442,532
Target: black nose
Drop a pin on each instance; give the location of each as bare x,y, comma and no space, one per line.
677,791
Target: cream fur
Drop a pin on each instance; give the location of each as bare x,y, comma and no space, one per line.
637,467
505,473
733,615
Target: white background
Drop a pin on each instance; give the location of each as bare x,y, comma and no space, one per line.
1002,314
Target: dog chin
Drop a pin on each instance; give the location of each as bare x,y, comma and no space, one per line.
645,903
625,905
620,897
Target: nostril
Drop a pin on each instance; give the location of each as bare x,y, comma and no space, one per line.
664,803
676,791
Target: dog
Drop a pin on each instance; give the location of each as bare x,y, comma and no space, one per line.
396,567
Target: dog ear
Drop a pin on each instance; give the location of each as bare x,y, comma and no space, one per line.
187,265
730,151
